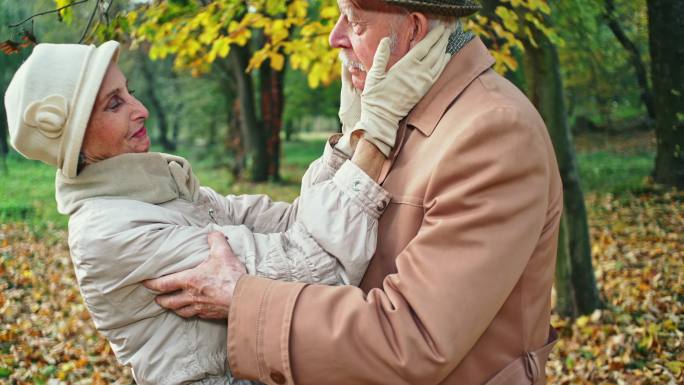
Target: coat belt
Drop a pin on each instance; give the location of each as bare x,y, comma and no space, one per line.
528,368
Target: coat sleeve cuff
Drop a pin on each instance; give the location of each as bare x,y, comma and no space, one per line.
259,329
356,183
333,157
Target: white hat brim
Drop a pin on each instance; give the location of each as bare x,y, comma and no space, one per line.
93,72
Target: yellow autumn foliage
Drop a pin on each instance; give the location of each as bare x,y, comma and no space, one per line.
296,31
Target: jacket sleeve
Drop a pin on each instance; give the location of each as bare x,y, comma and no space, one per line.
261,215
335,218
117,245
483,216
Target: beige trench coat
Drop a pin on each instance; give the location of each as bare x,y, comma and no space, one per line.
140,216
460,285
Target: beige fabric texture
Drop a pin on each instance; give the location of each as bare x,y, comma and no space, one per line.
389,95
140,216
349,112
50,98
460,284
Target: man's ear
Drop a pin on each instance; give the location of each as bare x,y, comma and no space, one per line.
418,23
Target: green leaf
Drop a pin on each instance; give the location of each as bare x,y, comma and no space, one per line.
5,372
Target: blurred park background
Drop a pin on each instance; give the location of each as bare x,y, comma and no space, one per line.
248,91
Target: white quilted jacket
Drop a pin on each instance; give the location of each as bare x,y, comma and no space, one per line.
140,216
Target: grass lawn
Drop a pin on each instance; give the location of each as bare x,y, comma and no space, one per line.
615,164
27,193
609,172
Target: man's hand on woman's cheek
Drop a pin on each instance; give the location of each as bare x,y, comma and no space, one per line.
205,291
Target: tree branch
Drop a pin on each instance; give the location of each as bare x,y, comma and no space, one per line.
634,56
106,12
90,21
47,12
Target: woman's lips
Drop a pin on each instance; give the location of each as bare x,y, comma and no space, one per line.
140,133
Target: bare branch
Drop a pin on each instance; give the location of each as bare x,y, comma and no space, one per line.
90,21
106,12
47,12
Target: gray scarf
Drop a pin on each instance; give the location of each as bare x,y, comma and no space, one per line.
458,39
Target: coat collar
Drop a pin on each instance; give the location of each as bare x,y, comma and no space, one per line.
465,66
147,177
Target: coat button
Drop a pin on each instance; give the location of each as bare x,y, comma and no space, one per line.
277,377
356,185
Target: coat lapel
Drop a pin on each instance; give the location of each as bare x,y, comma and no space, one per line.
465,66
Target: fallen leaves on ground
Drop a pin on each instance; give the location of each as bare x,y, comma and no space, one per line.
47,336
639,264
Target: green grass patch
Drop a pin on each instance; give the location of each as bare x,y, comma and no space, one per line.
297,155
617,173
301,152
27,189
27,193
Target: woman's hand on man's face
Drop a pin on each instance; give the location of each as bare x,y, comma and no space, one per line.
205,291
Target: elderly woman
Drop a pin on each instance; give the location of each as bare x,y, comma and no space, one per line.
137,215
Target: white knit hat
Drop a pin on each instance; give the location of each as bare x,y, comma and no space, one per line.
50,98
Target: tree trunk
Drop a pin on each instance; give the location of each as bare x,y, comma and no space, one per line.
235,142
177,109
252,129
175,132
666,40
545,89
566,303
151,93
634,56
4,148
272,102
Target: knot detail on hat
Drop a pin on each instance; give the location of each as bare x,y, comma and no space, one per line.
48,115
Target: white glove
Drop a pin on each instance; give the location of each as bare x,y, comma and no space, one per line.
388,96
350,112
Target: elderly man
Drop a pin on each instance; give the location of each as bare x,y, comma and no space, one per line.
459,289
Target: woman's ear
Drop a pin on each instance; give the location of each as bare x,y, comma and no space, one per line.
419,27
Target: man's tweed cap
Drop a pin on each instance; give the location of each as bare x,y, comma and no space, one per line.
440,7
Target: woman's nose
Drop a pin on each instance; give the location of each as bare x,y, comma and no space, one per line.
338,36
139,110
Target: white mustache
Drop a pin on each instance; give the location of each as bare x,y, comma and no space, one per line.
349,63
